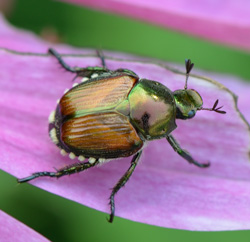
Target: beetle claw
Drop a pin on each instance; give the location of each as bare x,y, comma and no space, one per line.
201,165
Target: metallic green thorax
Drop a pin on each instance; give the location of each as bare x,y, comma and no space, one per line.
152,109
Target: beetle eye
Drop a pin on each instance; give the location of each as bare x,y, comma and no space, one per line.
191,114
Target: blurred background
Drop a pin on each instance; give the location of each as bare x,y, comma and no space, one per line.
62,220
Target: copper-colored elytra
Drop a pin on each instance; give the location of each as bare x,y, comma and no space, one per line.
96,96
110,131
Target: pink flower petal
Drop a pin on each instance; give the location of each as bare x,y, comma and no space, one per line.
164,190
224,21
13,230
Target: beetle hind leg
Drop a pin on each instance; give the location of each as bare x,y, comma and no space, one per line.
121,183
61,61
82,72
67,170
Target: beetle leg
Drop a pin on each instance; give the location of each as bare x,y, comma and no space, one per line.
88,71
83,72
121,183
101,56
127,71
183,153
61,61
67,170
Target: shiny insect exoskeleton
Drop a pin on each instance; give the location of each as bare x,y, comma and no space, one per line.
111,114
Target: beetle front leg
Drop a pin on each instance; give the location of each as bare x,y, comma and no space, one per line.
121,183
67,170
183,153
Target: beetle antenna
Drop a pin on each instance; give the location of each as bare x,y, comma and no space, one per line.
189,67
214,108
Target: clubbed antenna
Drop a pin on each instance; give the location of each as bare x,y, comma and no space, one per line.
217,110
189,67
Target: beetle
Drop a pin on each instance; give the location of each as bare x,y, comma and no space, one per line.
112,114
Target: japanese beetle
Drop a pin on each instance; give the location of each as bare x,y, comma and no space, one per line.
111,114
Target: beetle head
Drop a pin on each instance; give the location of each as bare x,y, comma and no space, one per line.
188,101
